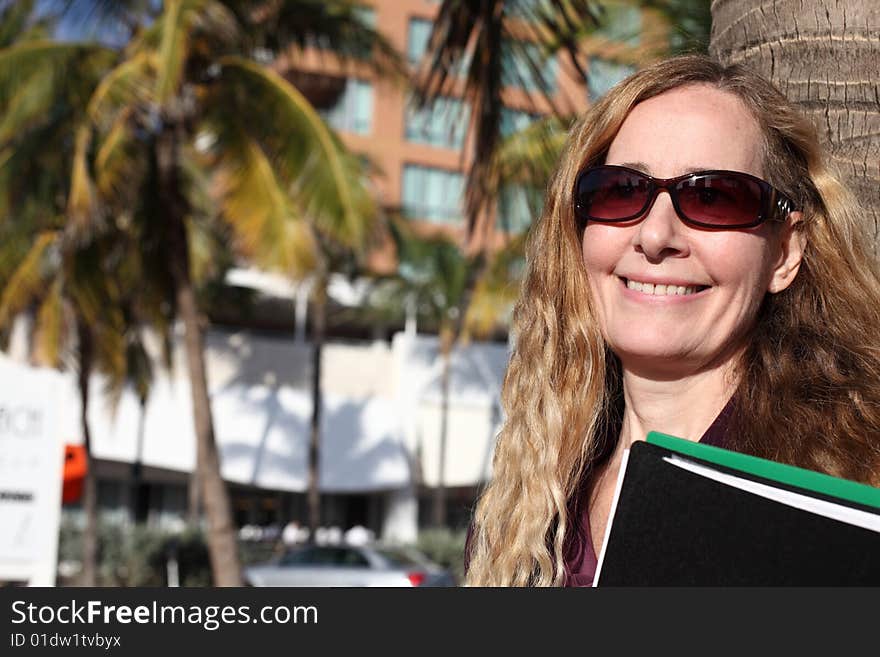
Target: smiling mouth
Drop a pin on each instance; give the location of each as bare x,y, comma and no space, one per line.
659,290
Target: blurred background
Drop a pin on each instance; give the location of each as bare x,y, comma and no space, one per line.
258,264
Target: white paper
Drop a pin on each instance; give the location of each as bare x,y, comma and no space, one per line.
820,507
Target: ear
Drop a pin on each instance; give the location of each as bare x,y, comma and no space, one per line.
789,255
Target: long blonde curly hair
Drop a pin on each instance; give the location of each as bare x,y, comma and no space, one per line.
809,382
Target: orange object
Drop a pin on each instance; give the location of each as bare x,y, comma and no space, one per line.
74,473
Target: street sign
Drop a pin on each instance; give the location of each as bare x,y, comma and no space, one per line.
31,463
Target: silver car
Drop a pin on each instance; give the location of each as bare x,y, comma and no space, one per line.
348,565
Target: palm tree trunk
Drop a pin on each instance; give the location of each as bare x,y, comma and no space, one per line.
89,575
194,497
138,500
319,320
446,344
221,534
823,55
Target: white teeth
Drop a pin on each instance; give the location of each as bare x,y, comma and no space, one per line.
660,290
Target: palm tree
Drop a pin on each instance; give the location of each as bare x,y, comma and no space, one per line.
433,271
187,128
79,311
475,36
476,46
52,267
823,56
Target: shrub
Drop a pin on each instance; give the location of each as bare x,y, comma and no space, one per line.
138,555
444,547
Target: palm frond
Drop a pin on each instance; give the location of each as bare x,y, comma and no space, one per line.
58,60
209,253
321,177
16,20
528,157
34,179
172,49
49,329
28,278
206,20
90,287
497,290
39,78
119,163
81,201
259,210
28,106
473,36
336,28
139,366
111,360
130,84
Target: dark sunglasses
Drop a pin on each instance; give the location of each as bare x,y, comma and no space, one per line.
707,199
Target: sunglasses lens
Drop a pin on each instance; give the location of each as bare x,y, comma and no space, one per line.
720,200
611,194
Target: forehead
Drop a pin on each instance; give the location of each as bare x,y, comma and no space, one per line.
689,128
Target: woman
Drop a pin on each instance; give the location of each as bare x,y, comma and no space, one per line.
697,271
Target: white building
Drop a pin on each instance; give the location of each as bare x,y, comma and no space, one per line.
380,431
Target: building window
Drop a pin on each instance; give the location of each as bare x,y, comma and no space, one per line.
516,71
518,207
602,75
417,45
515,120
353,109
417,39
443,123
432,194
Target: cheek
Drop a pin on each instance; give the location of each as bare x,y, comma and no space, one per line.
602,247
743,262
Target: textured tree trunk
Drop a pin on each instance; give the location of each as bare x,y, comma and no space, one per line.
319,321
89,576
446,344
825,56
221,534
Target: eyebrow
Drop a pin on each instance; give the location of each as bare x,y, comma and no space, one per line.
641,166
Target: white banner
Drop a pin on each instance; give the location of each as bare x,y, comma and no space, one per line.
31,471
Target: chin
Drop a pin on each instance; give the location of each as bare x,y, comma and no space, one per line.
662,361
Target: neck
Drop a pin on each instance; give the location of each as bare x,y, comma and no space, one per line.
684,407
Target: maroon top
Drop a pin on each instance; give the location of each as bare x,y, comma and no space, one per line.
580,557
578,552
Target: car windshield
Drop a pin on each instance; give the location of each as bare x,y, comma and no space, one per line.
323,556
400,558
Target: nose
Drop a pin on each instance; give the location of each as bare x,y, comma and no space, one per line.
661,234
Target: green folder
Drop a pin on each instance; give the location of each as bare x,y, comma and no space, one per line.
789,475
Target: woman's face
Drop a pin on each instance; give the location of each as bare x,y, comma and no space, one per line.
728,272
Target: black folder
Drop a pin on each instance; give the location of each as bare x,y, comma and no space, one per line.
686,514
